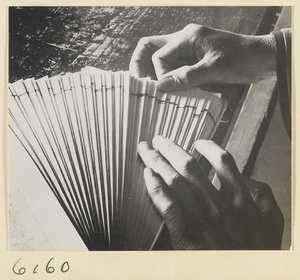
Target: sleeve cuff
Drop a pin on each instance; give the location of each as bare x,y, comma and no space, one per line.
283,66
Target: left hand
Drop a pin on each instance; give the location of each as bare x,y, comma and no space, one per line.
198,55
243,214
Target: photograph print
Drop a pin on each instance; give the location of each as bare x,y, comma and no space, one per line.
149,128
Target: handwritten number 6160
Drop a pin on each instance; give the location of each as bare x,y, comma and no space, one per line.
65,267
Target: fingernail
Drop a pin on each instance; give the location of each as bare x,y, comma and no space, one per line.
142,147
198,144
157,140
168,84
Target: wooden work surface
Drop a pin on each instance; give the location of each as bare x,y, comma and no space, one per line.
48,41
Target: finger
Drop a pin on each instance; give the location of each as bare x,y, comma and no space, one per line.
141,60
189,168
226,169
166,206
159,165
184,163
165,59
222,161
262,195
188,76
176,183
141,64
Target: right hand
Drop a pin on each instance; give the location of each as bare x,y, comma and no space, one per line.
243,214
199,55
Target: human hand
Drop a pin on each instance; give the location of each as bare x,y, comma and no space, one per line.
243,214
199,55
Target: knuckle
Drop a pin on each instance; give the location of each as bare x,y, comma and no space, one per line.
194,31
144,41
193,27
225,158
155,160
156,191
190,165
173,180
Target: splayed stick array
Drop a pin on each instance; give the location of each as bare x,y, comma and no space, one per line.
82,130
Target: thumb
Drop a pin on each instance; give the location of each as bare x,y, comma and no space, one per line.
186,77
